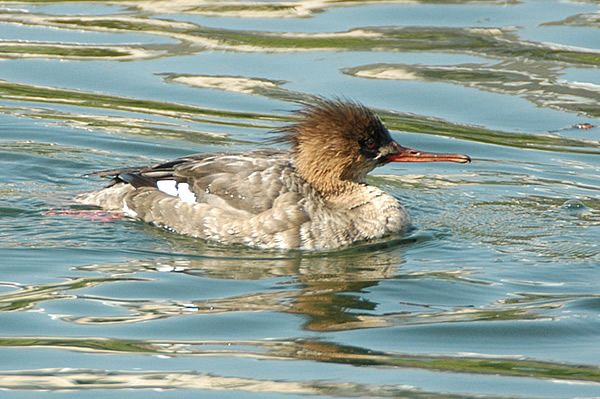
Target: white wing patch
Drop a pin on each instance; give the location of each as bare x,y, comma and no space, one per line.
184,192
167,187
181,190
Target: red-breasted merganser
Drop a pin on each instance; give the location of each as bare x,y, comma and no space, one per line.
311,197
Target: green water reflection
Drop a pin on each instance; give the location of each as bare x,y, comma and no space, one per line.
506,245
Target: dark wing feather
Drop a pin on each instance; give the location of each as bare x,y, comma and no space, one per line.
136,179
147,176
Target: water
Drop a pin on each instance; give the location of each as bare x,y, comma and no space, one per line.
495,294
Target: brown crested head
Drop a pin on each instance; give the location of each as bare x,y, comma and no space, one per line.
335,143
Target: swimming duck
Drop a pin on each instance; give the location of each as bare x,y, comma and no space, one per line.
311,197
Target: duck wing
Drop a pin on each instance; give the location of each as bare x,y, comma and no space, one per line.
246,181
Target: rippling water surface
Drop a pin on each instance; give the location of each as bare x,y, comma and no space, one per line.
495,294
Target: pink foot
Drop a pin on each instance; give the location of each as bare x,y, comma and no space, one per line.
101,216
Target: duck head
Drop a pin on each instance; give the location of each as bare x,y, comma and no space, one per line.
336,143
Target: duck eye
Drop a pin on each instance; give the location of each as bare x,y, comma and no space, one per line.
370,143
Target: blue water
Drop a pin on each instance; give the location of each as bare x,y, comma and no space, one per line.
494,294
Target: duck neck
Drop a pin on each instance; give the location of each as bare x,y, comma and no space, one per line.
330,178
